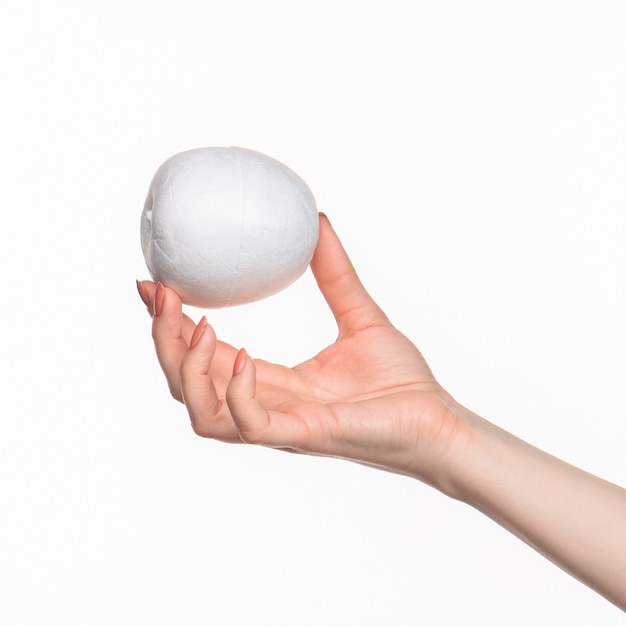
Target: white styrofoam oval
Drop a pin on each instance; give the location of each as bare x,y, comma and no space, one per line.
227,226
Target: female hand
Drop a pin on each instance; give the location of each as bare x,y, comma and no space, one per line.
369,397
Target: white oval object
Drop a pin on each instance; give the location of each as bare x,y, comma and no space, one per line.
227,226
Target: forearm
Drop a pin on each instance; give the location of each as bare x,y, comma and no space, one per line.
573,518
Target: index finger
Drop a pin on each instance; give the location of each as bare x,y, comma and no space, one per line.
171,332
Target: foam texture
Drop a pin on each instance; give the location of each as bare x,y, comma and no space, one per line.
227,226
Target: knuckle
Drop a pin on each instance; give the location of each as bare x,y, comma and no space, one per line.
201,428
255,437
176,393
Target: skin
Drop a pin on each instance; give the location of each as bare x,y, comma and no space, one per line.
371,398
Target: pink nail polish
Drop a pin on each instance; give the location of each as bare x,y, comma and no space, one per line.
198,332
142,293
159,299
240,362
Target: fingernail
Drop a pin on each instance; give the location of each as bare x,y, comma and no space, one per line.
240,362
198,332
159,299
142,293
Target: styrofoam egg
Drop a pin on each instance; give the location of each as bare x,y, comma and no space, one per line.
227,226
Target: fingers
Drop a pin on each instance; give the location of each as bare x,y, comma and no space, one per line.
336,277
197,366
171,336
171,330
220,399
254,423
209,414
147,291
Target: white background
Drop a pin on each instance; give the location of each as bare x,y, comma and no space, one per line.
472,157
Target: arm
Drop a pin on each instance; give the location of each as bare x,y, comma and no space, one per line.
371,398
573,518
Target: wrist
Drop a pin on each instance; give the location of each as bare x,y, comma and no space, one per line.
477,456
442,445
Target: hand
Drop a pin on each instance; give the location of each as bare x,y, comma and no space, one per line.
369,397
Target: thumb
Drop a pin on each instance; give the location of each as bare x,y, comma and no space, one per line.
351,305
